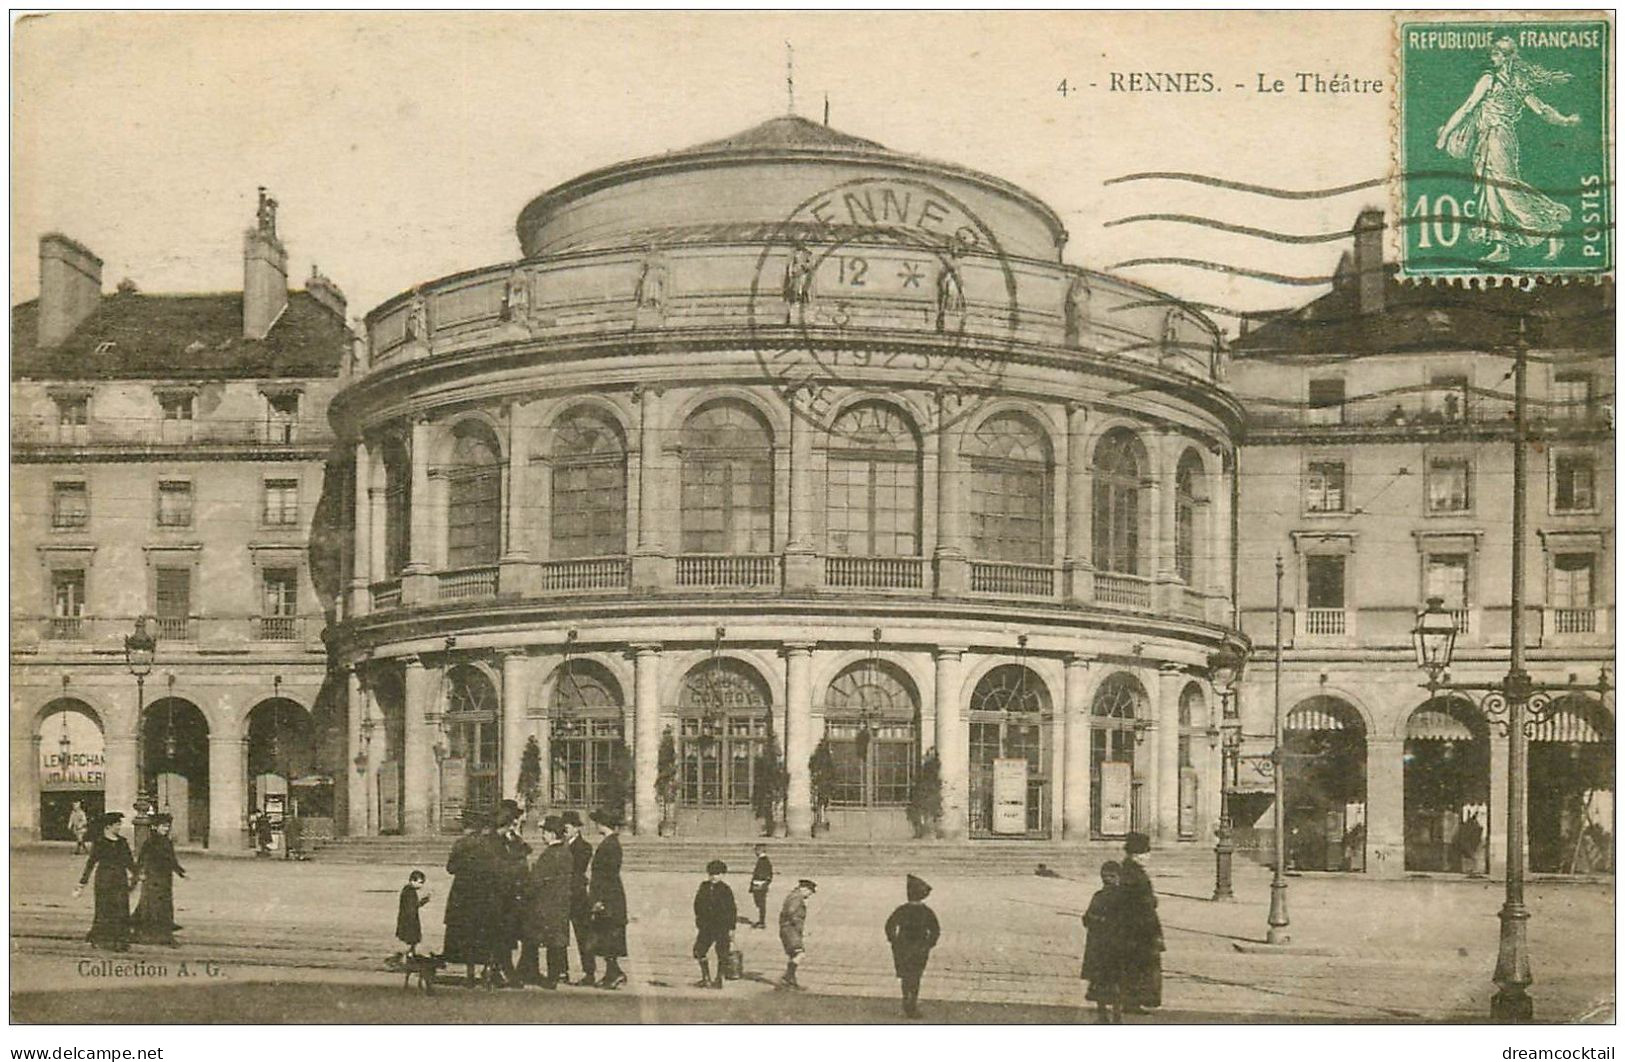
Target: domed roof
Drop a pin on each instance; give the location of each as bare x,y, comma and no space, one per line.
747,183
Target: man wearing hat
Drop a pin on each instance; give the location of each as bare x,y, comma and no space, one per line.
1140,933
513,855
607,896
580,906
714,916
114,868
471,905
154,918
912,931
545,914
792,926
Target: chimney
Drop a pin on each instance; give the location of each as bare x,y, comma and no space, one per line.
265,272
327,293
70,287
1370,273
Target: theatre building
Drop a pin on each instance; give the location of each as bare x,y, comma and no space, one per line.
169,457
791,456
1378,466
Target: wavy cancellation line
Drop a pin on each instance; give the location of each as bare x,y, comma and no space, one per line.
1338,190
1397,303
1412,221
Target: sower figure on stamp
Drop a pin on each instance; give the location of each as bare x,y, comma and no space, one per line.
580,906
761,879
114,868
545,917
793,929
608,898
156,869
912,931
714,916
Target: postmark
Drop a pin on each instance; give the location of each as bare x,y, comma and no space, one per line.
885,281
1502,140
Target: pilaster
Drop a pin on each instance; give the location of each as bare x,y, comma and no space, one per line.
953,742
798,737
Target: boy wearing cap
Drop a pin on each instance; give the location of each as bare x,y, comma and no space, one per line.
912,931
792,926
714,917
761,879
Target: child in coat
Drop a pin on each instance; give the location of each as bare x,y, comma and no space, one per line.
912,930
414,894
714,916
1100,949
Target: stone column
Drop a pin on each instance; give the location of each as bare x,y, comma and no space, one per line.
420,784
645,738
652,567
1171,680
517,670
355,781
798,748
1220,608
953,742
953,569
361,560
1061,736
377,556
514,567
1078,565
25,791
1161,547
1496,827
417,582
1385,807
375,741
1075,820
228,786
800,551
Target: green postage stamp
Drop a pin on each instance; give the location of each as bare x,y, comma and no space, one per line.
1503,143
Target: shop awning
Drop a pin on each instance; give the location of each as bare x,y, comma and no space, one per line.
1314,718
1434,724
1570,724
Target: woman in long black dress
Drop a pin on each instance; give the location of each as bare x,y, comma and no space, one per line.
471,905
607,896
1139,938
114,868
155,873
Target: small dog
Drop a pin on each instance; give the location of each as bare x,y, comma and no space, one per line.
423,967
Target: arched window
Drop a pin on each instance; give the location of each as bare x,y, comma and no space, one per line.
587,735
1187,495
724,712
1010,466
474,501
869,718
589,487
397,508
1117,475
472,725
1192,709
872,501
1009,720
727,481
1117,798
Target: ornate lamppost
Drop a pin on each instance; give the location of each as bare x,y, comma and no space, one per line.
1224,668
140,649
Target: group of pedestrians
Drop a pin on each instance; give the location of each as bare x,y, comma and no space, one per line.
1122,954
114,873
506,895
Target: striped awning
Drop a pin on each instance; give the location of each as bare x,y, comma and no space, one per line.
1436,724
1568,723
1310,717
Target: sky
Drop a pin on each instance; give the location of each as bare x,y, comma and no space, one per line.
401,147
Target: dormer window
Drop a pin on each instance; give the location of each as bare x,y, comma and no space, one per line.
176,405
72,410
282,414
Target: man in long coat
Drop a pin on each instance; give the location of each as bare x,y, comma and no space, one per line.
545,909
580,906
513,854
155,872
1139,937
607,896
114,869
471,907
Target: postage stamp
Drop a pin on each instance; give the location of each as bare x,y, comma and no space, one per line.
1503,142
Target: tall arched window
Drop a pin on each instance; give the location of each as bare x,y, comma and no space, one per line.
1192,710
1010,466
397,508
869,718
1117,475
589,487
586,735
1009,720
472,724
1116,803
872,501
724,711
1188,494
727,481
473,500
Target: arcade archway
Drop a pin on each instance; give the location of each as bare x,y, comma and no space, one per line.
1010,717
1447,788
71,759
284,762
175,767
1571,790
1325,786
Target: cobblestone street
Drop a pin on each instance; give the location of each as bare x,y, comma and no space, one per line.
1366,951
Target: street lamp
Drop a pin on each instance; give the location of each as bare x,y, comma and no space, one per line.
1224,668
140,648
1515,705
